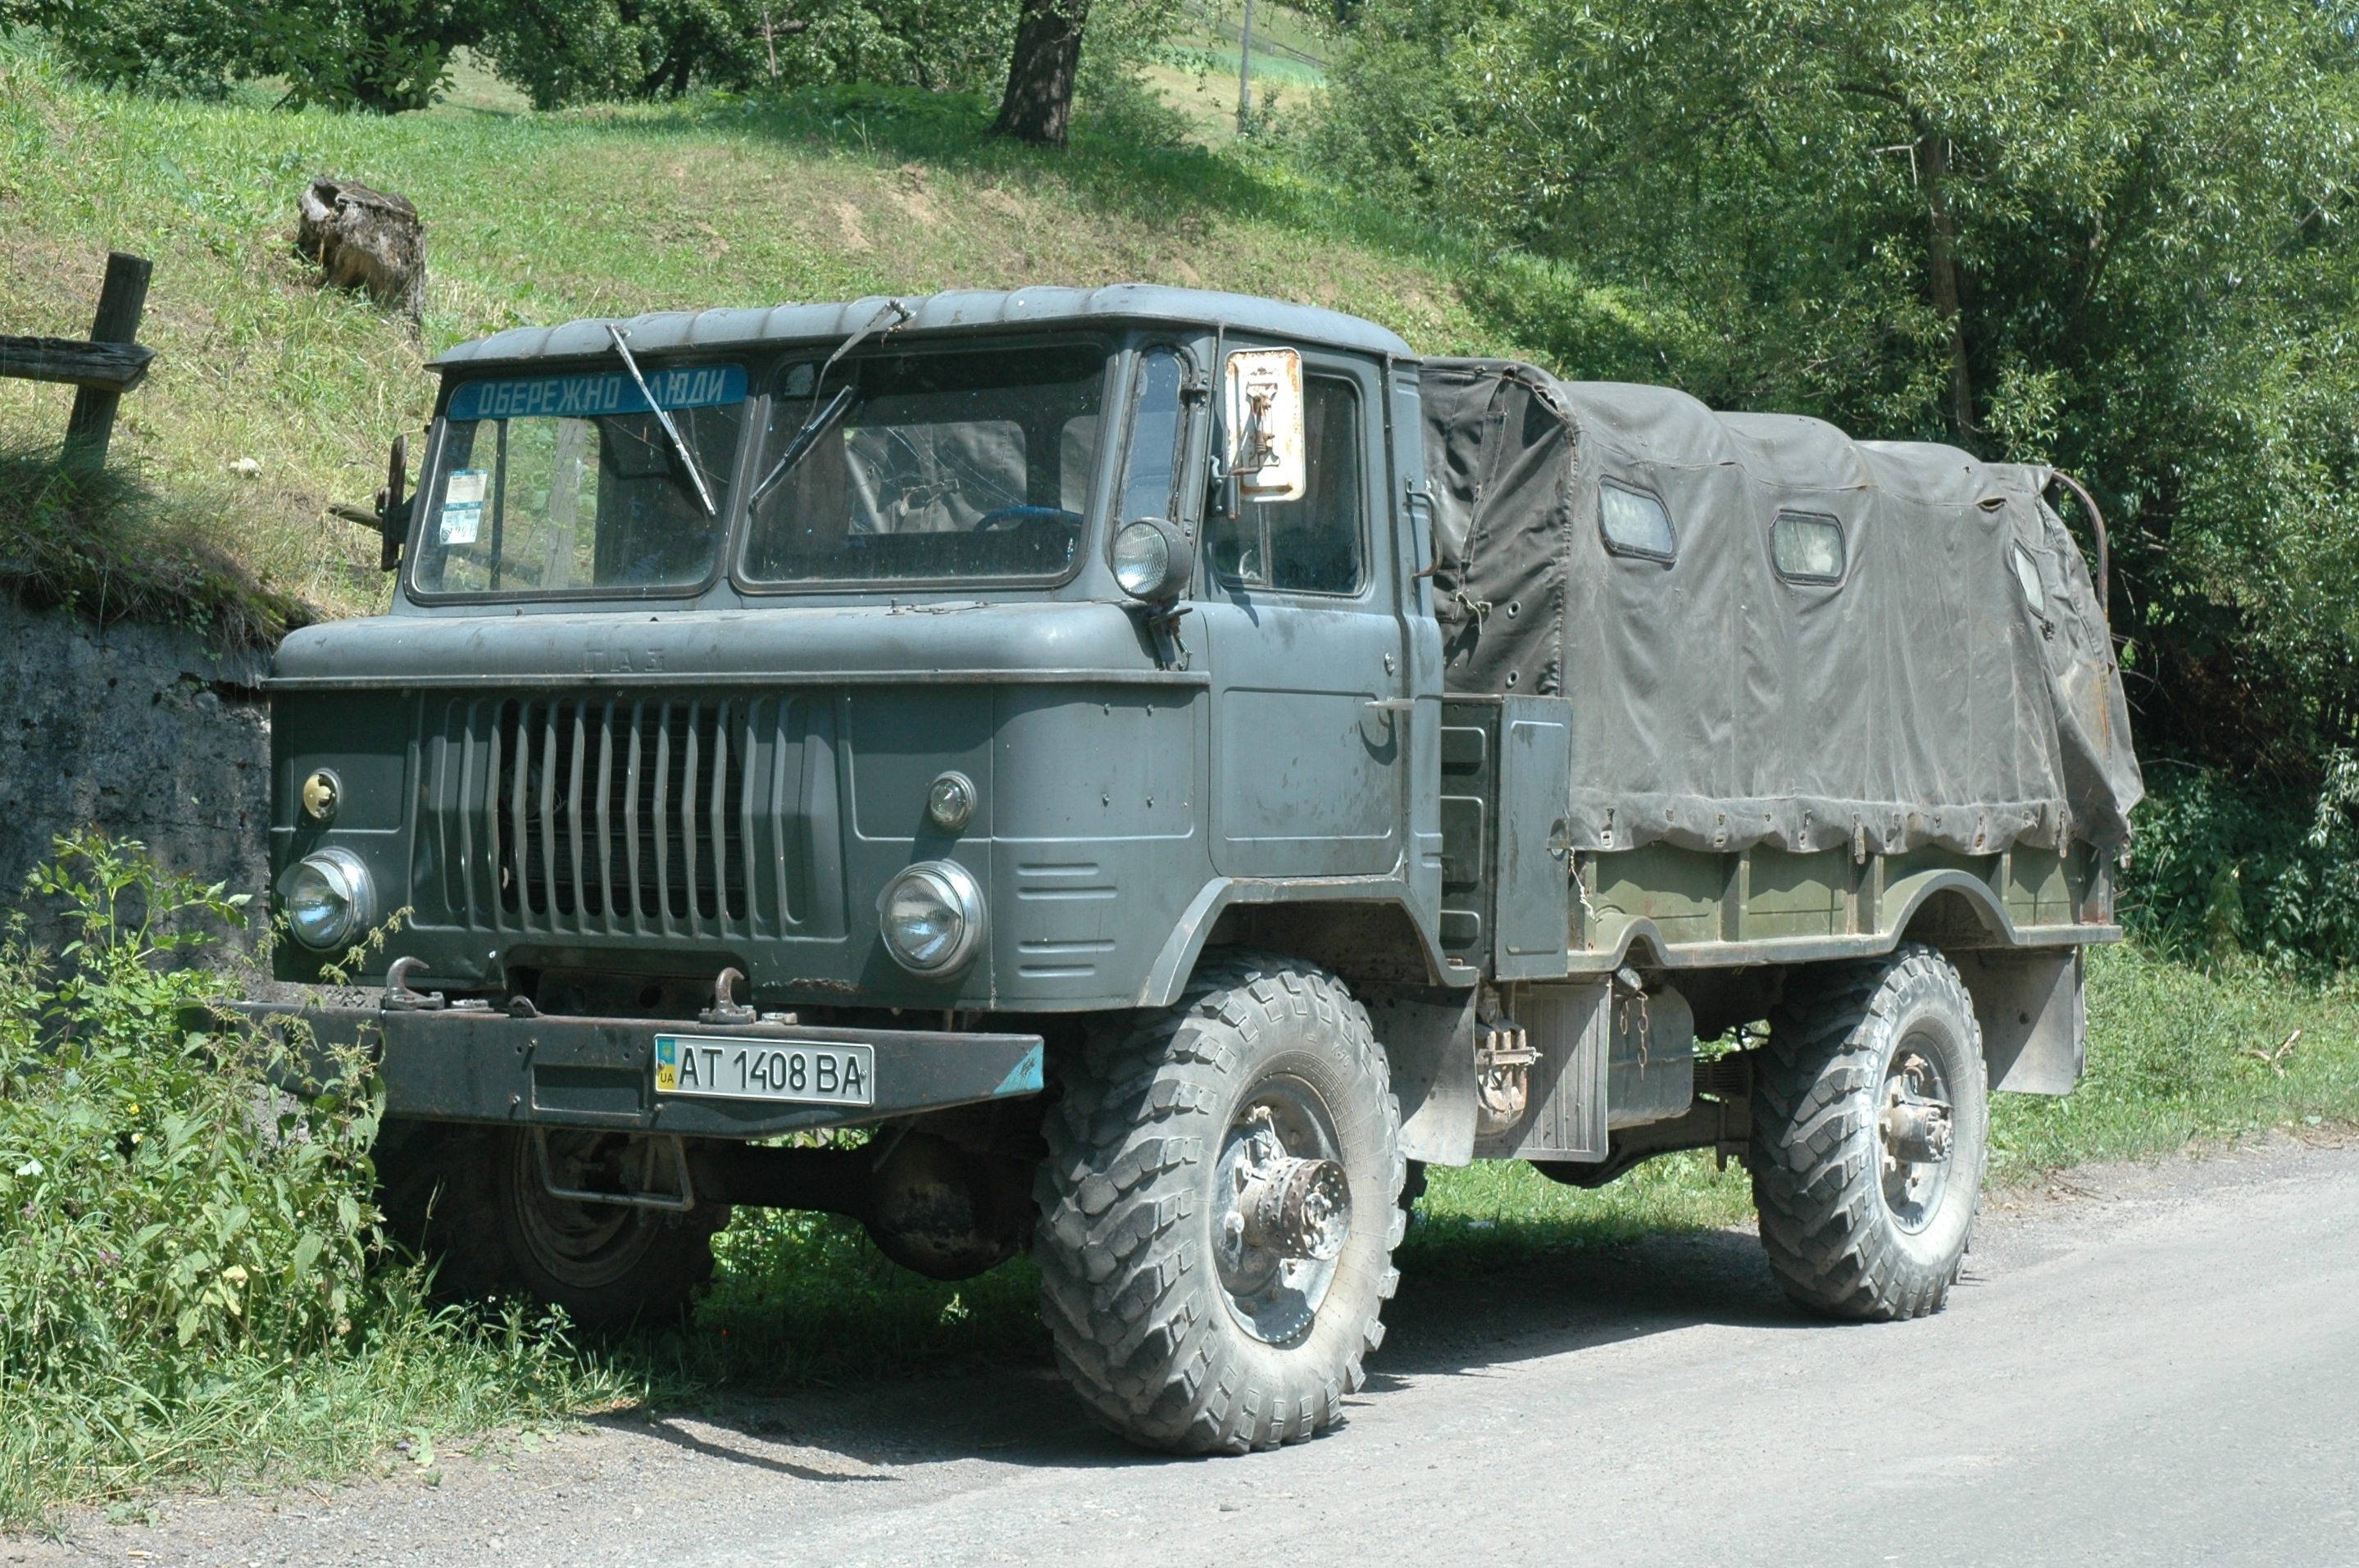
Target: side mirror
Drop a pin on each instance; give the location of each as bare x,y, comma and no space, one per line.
1153,561
393,509
390,517
1264,417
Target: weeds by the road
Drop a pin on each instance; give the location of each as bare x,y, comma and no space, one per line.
111,546
186,1278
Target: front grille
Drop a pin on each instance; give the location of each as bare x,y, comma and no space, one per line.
667,816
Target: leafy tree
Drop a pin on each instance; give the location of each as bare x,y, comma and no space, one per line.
380,55
571,51
2114,238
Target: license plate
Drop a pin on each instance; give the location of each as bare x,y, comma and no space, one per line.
800,1073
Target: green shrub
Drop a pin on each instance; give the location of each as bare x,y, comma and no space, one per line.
166,1204
2226,867
191,1278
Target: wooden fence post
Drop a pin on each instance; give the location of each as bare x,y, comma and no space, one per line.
122,301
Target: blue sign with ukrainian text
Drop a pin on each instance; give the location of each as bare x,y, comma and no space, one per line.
589,396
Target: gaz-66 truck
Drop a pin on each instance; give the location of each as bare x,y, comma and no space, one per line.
1172,766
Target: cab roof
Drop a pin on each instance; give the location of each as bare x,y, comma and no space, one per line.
1120,304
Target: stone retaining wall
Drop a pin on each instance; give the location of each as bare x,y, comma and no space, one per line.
146,733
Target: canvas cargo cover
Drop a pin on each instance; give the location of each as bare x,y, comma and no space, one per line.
1923,697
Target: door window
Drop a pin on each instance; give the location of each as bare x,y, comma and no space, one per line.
1311,545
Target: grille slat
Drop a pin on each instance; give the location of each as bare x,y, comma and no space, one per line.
606,817
659,823
582,901
631,825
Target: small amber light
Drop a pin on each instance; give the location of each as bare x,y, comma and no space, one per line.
321,794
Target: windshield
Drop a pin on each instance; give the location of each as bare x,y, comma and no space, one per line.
569,484
942,466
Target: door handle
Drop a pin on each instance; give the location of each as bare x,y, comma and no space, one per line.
1392,705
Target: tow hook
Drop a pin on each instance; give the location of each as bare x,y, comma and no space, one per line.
400,997
726,1009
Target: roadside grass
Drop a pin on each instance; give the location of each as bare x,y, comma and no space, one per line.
114,546
537,218
413,1373
2183,1058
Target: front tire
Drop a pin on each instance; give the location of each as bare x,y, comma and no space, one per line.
471,1199
1219,1210
1871,1127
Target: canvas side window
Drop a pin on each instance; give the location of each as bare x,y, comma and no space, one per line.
1310,545
1635,523
2027,573
1807,548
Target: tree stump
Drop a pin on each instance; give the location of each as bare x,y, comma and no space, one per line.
365,239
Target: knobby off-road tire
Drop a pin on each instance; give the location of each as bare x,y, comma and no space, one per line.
1853,1226
471,1199
1172,1342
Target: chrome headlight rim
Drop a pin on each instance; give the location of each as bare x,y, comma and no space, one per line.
953,886
347,879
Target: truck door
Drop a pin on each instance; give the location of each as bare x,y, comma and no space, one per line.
1310,736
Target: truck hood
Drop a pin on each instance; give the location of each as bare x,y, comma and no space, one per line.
956,641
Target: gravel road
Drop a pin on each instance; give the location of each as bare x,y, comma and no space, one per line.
2152,1365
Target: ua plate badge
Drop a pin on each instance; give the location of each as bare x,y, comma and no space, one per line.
799,1073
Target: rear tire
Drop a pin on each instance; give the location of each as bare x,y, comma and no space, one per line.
1178,1320
471,1199
1870,1135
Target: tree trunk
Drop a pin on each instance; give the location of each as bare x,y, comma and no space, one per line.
1941,265
1038,106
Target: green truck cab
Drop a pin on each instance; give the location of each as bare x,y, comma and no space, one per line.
1172,766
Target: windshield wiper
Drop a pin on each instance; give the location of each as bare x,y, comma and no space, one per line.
822,418
818,425
695,474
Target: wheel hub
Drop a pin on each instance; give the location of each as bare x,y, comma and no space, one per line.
1916,1131
1914,1125
1285,1212
1296,1208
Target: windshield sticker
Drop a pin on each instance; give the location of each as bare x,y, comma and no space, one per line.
588,397
462,506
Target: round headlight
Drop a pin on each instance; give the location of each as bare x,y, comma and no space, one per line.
1142,560
932,916
329,898
1153,559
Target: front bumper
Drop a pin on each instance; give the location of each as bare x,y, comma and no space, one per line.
545,1070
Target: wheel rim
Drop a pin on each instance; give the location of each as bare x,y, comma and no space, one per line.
582,1247
1282,1209
1915,1129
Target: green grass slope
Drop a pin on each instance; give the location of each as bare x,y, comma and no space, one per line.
537,218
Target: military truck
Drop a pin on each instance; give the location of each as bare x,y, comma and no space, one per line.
1169,766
